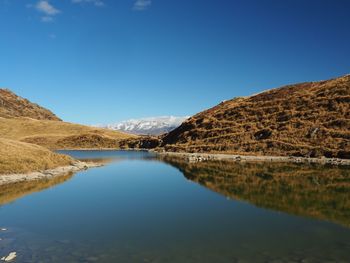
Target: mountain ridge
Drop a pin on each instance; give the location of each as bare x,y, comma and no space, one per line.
148,126
12,105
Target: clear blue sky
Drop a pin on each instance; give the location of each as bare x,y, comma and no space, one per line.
101,61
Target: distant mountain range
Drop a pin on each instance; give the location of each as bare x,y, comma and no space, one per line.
148,126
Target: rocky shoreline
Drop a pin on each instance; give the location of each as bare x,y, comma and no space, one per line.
200,157
46,174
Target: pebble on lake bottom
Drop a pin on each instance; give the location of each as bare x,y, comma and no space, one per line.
10,257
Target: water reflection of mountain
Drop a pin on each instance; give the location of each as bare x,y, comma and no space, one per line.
313,191
11,192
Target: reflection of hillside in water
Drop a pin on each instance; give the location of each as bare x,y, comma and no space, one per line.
11,192
313,191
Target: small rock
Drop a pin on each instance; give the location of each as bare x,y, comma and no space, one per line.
10,257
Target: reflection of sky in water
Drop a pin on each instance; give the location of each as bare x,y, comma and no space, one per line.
109,154
147,211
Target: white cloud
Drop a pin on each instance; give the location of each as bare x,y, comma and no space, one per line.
142,4
95,2
46,8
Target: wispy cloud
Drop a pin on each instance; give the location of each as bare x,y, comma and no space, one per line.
141,5
95,2
47,9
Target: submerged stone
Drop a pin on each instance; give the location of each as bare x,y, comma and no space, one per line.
10,257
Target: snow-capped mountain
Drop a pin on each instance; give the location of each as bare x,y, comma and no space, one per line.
148,126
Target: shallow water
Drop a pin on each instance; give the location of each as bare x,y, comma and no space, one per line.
139,208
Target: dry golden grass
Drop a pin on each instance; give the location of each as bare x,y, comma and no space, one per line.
58,134
308,119
25,125
20,157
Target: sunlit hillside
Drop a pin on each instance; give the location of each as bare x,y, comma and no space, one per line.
308,119
20,157
58,134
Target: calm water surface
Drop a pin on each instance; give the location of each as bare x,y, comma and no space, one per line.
138,208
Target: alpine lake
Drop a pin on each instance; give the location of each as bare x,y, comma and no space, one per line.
141,207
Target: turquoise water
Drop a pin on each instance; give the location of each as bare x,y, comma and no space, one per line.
138,208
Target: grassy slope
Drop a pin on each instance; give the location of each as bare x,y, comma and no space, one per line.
58,134
23,122
308,119
12,105
20,157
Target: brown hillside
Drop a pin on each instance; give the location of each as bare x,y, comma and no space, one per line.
59,134
20,157
308,119
12,105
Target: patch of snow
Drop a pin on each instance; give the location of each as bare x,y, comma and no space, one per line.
148,126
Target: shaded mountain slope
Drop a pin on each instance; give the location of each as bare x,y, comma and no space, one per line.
308,119
12,105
